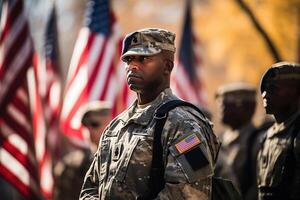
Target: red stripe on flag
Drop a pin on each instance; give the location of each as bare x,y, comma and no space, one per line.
83,57
13,51
16,47
15,10
15,181
96,68
67,125
107,80
23,159
15,83
18,128
19,104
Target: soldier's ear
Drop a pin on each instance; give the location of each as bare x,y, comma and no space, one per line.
168,66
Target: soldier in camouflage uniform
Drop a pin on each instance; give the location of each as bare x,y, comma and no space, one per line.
279,157
70,171
122,164
237,158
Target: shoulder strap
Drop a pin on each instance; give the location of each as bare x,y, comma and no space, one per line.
166,107
157,181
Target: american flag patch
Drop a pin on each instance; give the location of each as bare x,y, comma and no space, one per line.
187,143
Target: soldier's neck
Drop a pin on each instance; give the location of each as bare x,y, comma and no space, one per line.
148,96
285,115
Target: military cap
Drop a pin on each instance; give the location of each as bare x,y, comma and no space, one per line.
97,107
238,91
149,41
281,71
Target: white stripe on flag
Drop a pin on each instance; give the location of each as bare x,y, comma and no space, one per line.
78,49
19,117
75,89
94,52
9,41
11,135
102,75
112,89
14,166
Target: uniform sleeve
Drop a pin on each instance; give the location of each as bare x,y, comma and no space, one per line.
189,165
296,182
90,185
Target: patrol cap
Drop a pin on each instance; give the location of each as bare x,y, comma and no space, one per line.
237,92
149,41
97,107
281,71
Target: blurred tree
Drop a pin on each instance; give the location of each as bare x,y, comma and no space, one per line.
260,30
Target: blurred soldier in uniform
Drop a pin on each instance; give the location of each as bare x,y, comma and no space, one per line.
70,171
122,165
279,156
237,158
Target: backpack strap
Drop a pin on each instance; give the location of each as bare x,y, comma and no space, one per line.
157,182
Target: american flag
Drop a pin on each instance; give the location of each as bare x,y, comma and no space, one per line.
96,72
17,152
187,143
185,80
45,98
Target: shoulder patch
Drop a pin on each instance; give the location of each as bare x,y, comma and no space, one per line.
187,143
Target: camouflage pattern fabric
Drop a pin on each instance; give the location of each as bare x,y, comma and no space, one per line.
69,174
232,157
121,166
272,161
148,41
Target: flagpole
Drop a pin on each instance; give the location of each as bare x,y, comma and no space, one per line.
298,34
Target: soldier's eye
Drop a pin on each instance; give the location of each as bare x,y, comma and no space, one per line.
143,58
128,59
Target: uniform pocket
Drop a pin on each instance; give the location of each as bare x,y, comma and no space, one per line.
125,158
278,161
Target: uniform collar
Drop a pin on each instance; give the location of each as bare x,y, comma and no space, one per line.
280,127
242,134
144,114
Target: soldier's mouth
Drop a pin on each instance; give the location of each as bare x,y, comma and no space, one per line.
133,75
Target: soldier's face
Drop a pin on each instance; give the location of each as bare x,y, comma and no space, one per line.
279,96
230,112
96,125
145,73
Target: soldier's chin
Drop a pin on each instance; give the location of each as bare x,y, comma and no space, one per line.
268,109
134,87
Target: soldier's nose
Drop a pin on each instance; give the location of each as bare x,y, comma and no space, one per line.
264,94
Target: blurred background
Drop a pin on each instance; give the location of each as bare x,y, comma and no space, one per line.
237,40
234,40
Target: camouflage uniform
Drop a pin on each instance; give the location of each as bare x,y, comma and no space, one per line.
233,153
122,164
272,158
235,160
69,174
279,157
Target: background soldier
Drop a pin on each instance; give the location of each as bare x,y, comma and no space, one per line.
122,165
279,158
70,171
237,158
